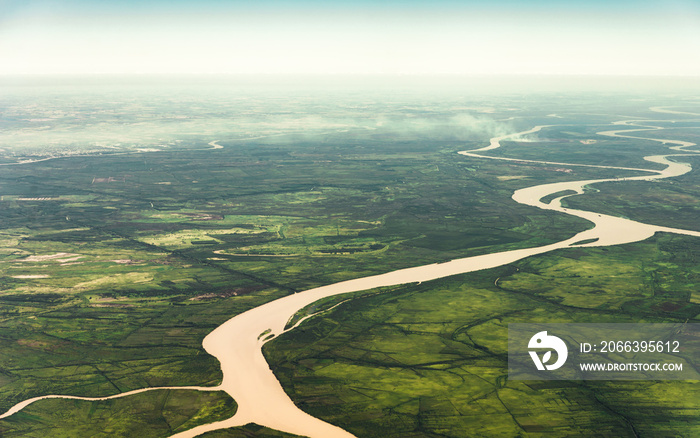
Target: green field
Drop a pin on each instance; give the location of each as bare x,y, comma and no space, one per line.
149,414
115,265
431,360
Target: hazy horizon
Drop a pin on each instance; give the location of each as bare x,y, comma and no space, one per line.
437,84
441,37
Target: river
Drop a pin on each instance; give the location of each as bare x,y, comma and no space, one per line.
237,343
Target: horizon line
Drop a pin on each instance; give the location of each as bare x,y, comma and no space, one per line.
311,74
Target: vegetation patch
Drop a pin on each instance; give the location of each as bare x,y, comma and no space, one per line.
154,414
431,359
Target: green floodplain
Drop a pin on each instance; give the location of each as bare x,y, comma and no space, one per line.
137,238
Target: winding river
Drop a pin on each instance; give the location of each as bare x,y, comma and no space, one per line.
237,343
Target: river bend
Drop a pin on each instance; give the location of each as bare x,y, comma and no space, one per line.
237,343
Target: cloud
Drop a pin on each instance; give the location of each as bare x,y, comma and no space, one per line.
457,127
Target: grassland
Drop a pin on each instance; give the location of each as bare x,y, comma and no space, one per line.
674,203
431,360
111,286
114,267
150,414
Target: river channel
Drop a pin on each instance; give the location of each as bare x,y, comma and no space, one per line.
237,343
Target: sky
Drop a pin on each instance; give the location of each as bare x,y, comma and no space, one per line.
293,37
